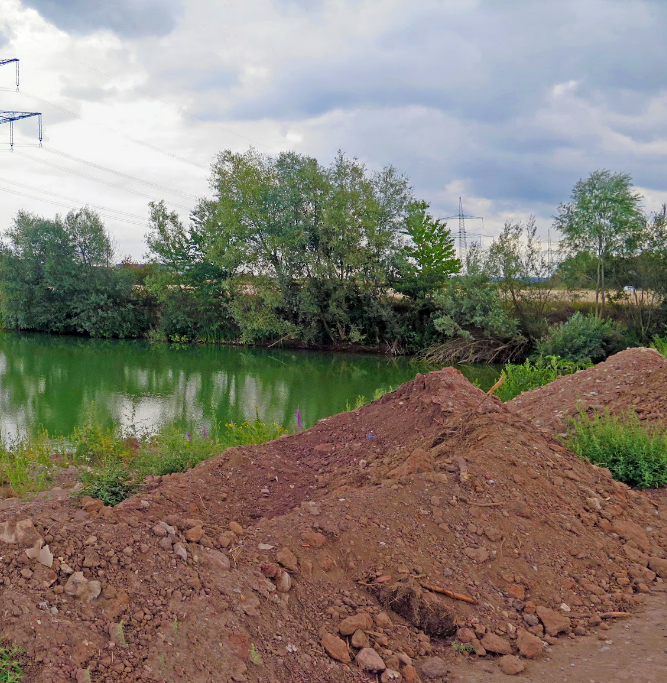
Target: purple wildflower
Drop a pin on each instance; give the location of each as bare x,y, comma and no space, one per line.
299,424
187,436
203,431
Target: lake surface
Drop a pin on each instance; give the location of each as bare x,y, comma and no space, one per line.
57,382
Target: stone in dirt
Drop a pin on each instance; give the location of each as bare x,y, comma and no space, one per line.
78,586
369,660
511,665
22,532
288,559
335,647
383,620
554,623
360,639
465,635
359,622
632,533
390,676
180,551
658,566
434,668
283,582
477,554
313,538
410,674
236,528
194,534
41,553
493,643
216,559
529,645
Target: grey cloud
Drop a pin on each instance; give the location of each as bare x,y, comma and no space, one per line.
129,18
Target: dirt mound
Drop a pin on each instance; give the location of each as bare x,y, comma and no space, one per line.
376,536
634,379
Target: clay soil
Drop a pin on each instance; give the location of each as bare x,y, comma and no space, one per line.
328,555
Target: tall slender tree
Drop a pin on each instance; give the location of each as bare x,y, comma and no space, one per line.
603,217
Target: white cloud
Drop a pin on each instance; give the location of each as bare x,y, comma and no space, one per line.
505,104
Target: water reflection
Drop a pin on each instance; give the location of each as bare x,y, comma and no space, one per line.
54,382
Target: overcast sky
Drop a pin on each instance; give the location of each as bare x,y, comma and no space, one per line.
506,103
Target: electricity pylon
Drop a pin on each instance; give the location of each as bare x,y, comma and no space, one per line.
11,116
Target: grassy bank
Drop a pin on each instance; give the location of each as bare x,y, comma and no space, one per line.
111,465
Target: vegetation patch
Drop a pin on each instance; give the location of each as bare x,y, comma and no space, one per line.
10,666
582,339
635,453
529,375
660,345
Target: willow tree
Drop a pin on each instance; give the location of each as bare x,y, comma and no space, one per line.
604,218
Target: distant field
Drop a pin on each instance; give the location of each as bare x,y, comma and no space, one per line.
643,296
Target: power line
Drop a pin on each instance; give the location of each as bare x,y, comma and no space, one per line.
99,180
143,143
67,206
153,97
120,174
69,199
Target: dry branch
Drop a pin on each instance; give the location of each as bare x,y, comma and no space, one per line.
450,594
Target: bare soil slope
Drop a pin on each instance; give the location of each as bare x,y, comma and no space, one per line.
291,560
634,379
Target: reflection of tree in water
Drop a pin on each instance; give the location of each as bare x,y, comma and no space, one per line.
54,381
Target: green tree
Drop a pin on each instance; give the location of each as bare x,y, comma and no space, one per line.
326,237
190,288
604,218
430,254
57,276
517,262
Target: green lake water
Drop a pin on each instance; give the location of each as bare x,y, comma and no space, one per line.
57,382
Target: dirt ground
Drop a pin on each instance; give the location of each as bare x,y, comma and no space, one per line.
631,651
374,546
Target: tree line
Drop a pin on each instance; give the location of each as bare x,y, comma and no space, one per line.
288,250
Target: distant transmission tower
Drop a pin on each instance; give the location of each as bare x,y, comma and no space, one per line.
463,238
11,116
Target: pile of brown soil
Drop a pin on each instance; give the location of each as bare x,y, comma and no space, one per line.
358,548
632,380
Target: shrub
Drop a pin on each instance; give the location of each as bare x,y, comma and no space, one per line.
634,453
520,378
112,483
582,339
660,345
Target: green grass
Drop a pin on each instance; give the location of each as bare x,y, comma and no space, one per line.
520,378
10,668
362,400
112,465
634,453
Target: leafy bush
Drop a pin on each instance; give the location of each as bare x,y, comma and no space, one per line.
112,483
660,345
471,303
582,339
635,453
520,378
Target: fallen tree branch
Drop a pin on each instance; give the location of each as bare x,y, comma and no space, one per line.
445,591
